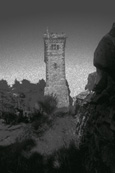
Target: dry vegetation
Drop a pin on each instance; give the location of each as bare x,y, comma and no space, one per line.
47,144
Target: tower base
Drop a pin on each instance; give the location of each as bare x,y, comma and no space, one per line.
61,93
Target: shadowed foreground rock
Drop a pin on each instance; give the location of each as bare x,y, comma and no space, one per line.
96,118
104,55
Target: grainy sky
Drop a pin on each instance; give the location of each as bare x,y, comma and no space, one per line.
23,23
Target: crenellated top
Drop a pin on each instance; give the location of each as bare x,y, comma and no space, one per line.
48,35
54,45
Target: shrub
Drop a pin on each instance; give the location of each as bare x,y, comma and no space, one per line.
12,118
14,158
48,104
66,160
9,117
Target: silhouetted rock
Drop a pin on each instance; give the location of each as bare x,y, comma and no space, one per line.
104,60
95,121
91,81
95,128
104,55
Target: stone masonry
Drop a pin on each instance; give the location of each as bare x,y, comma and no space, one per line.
54,57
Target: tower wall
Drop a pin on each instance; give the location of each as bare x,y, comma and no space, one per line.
54,57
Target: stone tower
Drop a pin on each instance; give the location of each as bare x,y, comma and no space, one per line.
54,57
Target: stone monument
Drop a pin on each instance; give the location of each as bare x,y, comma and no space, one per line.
54,57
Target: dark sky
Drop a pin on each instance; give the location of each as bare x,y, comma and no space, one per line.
23,23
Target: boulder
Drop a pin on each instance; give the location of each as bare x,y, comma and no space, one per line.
104,55
95,121
91,81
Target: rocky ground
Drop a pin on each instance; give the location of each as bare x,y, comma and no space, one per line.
9,134
51,144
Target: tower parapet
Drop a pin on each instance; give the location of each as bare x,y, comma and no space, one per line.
54,35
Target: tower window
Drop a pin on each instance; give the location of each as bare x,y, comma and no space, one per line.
55,65
54,47
57,47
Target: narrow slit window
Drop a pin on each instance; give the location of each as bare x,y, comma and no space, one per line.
57,47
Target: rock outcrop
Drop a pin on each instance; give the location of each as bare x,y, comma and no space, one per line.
91,81
96,118
95,122
104,55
